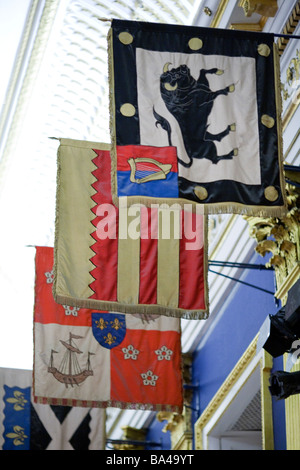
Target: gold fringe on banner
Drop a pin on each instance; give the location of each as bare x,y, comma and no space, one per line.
230,207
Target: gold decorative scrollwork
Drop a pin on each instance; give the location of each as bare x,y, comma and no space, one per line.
293,71
292,77
280,238
262,7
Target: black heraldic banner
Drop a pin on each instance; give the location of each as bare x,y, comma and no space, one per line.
212,94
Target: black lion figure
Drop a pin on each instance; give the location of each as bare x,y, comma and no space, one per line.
190,101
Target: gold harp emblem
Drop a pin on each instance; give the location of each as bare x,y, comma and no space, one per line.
147,169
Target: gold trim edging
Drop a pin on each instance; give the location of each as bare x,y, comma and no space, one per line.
219,13
292,414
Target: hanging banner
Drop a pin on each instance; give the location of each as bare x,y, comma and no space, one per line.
137,259
26,425
97,359
214,96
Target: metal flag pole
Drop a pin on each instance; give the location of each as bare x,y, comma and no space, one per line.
287,36
242,282
232,264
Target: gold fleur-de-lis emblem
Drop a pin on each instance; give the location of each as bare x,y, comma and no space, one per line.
116,324
18,401
110,339
101,324
18,435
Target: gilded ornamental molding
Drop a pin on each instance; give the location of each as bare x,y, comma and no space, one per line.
281,239
262,7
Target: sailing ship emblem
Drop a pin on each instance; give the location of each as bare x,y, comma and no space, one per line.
69,372
109,329
147,169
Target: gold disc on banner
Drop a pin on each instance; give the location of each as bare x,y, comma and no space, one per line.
267,121
125,38
201,192
127,109
271,193
195,44
264,50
